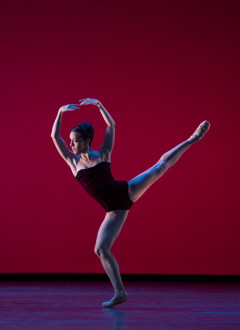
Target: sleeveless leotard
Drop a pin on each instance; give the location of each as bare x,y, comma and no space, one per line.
100,184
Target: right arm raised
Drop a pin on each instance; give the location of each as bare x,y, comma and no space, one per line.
60,144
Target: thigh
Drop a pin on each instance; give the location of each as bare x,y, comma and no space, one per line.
110,228
138,185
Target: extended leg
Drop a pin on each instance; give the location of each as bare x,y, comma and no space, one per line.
138,185
107,234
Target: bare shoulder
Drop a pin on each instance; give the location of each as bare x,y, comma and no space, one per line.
109,139
104,155
96,157
74,164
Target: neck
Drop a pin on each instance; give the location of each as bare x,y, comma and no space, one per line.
87,154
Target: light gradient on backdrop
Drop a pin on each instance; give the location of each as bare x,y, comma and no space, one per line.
159,68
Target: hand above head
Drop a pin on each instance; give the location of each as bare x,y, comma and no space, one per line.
89,101
69,107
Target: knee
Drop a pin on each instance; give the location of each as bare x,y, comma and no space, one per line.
161,167
101,251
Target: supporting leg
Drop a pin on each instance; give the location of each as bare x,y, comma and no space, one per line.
111,268
107,234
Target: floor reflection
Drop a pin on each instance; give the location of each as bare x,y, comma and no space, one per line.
117,316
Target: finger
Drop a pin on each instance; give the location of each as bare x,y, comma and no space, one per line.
71,105
87,99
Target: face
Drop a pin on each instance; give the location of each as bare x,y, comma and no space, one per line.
77,143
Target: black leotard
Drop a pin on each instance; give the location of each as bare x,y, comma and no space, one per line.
100,184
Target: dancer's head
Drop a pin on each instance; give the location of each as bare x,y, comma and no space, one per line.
81,137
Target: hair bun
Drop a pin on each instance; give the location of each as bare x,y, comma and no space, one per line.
86,130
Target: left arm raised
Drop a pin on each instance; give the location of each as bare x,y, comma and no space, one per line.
106,115
107,146
110,131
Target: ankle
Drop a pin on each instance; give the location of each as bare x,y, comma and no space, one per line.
191,140
120,292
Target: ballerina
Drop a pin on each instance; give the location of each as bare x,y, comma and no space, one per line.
92,169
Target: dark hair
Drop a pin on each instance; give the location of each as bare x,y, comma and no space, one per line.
86,130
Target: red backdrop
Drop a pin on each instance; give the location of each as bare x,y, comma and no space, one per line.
159,68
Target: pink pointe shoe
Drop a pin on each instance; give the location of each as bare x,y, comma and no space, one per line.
116,300
200,132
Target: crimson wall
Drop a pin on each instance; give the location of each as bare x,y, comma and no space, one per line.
159,68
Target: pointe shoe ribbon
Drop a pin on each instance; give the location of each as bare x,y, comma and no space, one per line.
200,131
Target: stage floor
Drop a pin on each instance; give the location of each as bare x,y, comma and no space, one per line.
151,305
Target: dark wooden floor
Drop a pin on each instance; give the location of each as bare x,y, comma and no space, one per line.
151,305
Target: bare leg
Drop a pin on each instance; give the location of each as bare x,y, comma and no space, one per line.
107,234
138,185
